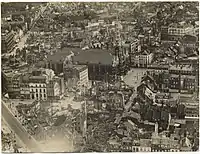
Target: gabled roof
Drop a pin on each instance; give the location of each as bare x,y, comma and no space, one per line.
146,52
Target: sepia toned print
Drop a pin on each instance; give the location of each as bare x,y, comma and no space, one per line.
100,76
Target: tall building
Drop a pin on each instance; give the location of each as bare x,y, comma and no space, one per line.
101,64
82,74
143,59
55,88
57,61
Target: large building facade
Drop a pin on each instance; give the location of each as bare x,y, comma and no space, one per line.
76,75
37,85
175,33
100,64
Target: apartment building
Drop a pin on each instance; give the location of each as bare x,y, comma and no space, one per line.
39,84
82,72
176,32
143,59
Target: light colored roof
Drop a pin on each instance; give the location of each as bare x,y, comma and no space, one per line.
113,142
145,142
178,67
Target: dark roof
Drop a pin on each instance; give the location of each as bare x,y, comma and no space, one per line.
41,64
37,77
94,56
77,18
189,39
78,40
60,120
61,55
26,77
189,51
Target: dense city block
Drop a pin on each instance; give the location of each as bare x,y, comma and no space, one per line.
100,77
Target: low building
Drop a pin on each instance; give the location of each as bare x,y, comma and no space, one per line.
75,43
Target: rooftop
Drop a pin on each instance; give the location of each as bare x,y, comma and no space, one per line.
145,142
94,56
59,56
80,67
38,77
179,25
132,114
189,39
182,68
12,74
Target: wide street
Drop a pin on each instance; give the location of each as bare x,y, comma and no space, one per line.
20,131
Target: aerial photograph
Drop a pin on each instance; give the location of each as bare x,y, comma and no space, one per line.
99,76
